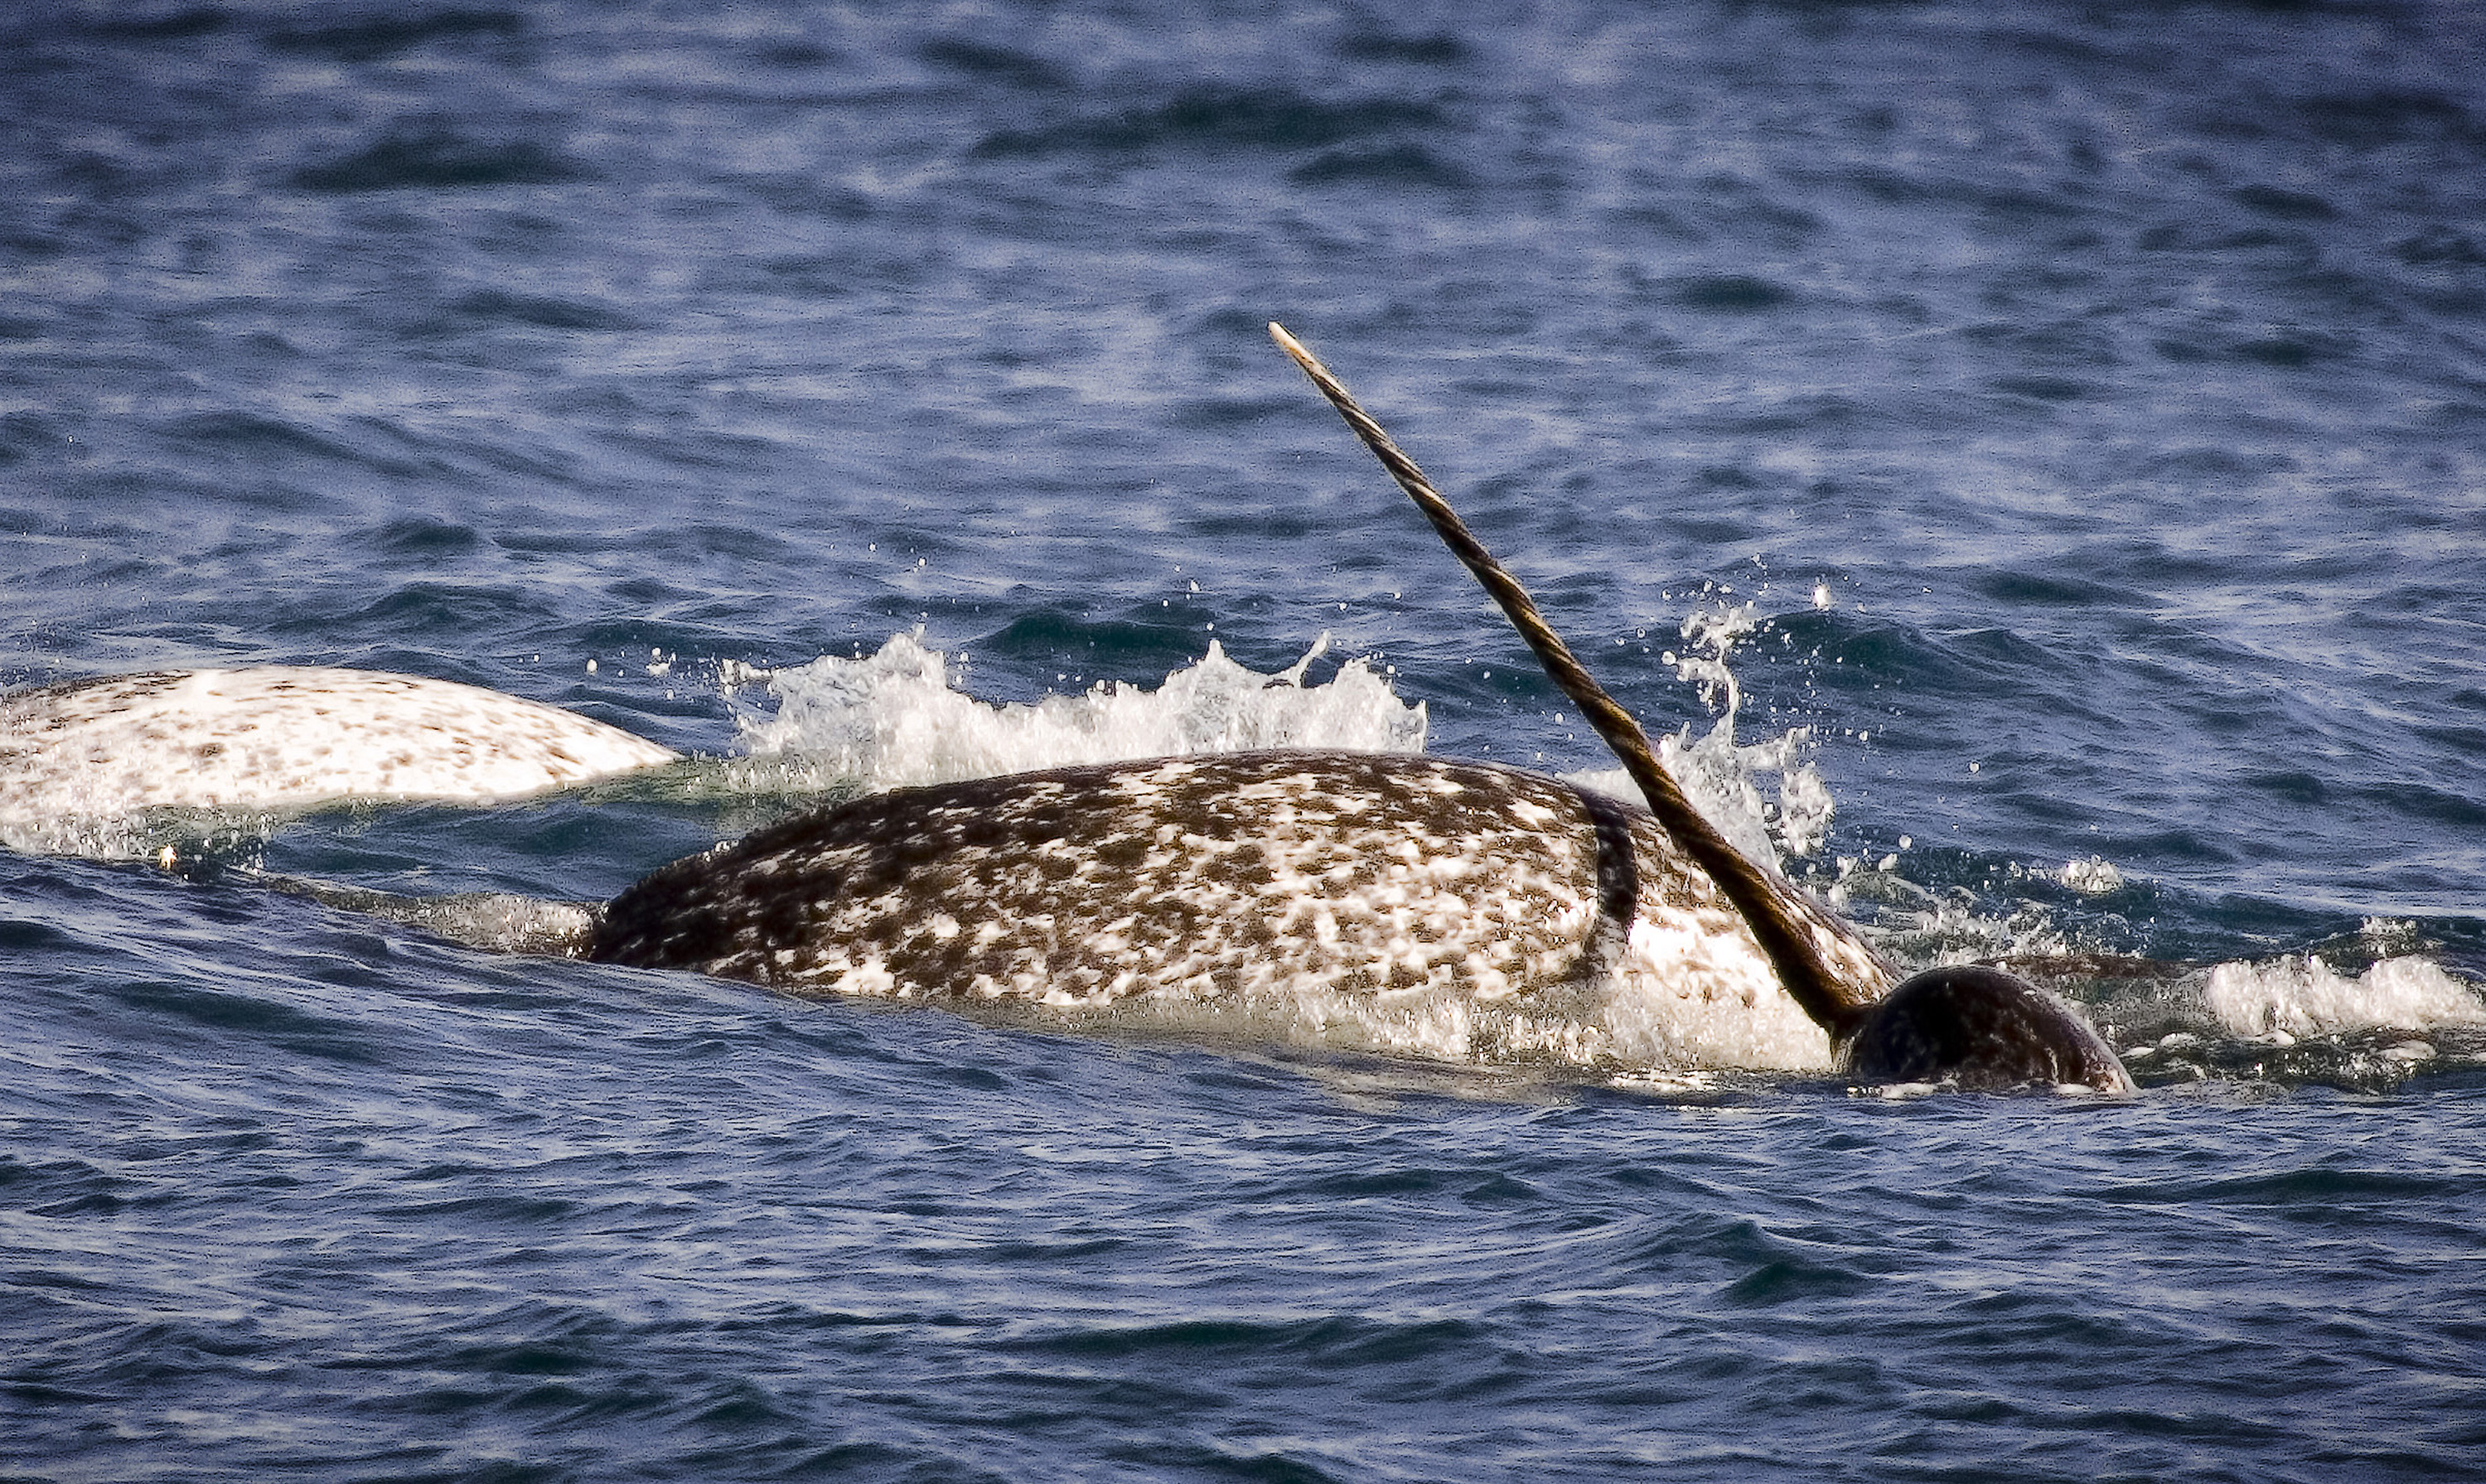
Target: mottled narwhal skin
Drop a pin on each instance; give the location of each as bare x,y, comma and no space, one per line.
288,736
1251,877
1260,879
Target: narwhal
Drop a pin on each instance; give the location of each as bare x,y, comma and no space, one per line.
1331,878
276,737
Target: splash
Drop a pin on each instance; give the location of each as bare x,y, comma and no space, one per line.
1725,779
2299,997
2095,876
170,837
897,717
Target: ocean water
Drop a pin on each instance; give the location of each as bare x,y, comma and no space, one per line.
2032,459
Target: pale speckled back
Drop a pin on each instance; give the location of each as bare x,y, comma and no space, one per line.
279,737
1438,902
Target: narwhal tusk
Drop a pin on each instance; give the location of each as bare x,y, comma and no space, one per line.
1833,1004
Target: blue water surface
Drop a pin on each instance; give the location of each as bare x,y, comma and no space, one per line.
2090,400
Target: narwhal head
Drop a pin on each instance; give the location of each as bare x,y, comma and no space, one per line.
1978,1029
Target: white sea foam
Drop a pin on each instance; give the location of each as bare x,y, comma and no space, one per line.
2095,876
897,716
902,716
2307,996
